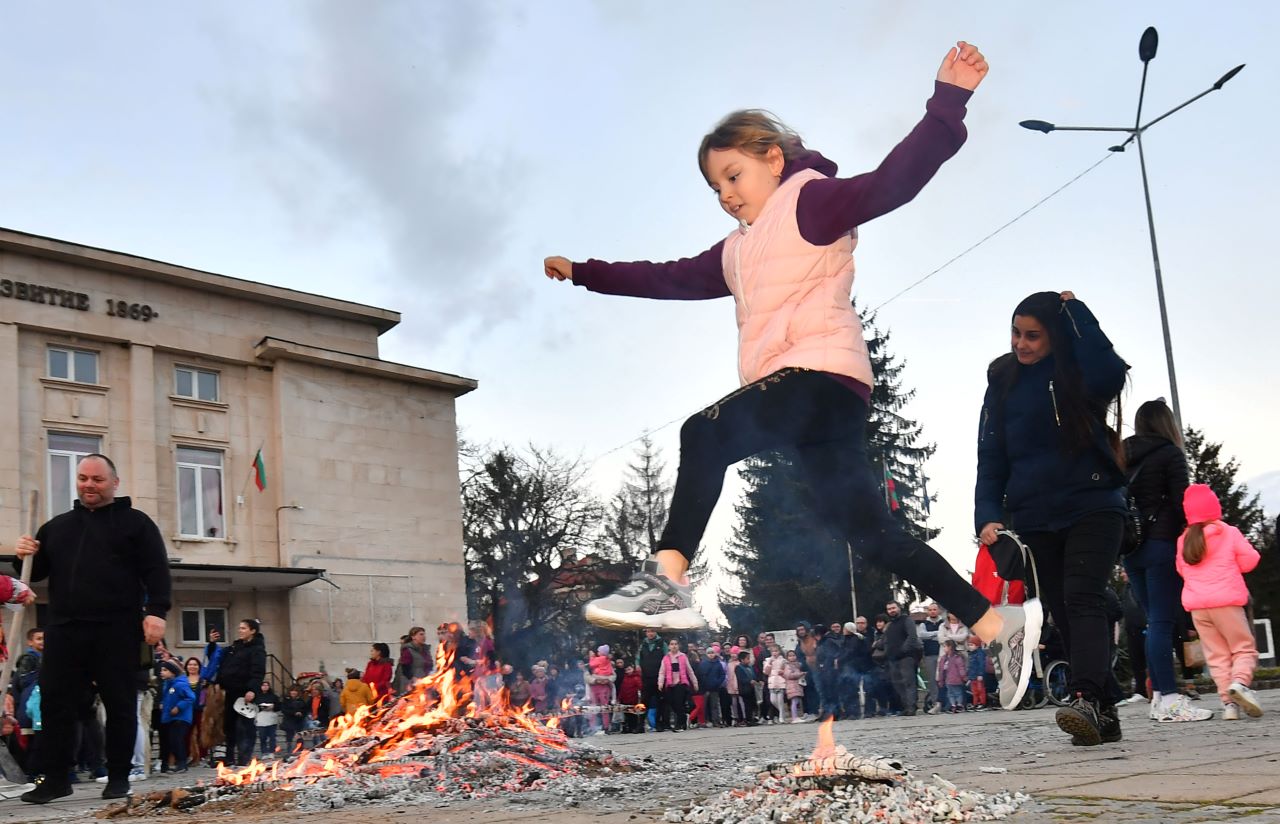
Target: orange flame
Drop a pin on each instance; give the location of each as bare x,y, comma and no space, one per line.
396,726
826,746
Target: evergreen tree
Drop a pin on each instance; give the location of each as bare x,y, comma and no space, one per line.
787,564
638,512
1239,508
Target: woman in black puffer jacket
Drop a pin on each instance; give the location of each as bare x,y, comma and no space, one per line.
1158,468
240,674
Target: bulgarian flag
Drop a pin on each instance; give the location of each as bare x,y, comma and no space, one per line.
890,491
259,472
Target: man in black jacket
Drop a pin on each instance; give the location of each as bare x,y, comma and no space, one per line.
855,668
902,645
109,591
649,659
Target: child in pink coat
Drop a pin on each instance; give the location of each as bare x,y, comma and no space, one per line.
600,677
1212,559
794,676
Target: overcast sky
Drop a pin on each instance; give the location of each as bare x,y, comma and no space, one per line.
425,156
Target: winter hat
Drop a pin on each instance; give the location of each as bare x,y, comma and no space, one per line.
603,649
850,627
734,650
1201,505
715,648
171,666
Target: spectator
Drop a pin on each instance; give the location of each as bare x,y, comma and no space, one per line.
746,691
886,698
267,721
356,693
415,660
775,667
855,667
175,717
929,642
903,648
539,692
807,654
519,694
109,588
649,660
677,680
293,716
1156,469
975,673
319,705
711,682
191,671
830,648
241,672
794,675
630,689
599,680
1135,632
378,672
951,675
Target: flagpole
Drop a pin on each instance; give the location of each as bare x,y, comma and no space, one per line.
253,468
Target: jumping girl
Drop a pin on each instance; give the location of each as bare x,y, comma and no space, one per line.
806,377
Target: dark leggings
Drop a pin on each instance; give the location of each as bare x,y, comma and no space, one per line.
824,422
1074,566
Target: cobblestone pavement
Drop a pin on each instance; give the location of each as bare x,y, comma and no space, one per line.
1211,771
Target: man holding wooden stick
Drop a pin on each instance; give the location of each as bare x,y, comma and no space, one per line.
109,592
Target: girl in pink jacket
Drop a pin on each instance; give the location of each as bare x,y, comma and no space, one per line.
1212,559
803,365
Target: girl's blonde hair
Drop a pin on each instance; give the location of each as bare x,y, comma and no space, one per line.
752,131
1193,544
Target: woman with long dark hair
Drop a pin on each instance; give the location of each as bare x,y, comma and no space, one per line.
244,665
1048,468
1157,471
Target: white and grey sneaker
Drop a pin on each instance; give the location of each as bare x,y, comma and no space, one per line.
1246,699
650,601
1230,712
1014,647
1179,710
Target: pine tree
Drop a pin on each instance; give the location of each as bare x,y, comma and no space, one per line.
638,512
787,565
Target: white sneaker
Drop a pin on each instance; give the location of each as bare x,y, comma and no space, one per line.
650,601
934,710
1179,710
1246,698
1014,647
1136,698
137,774
1230,712
102,779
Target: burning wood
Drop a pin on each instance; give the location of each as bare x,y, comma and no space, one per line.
840,764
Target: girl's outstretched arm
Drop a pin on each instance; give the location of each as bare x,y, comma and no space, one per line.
831,207
694,278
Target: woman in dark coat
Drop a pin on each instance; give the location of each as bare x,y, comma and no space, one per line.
240,674
1157,469
1048,468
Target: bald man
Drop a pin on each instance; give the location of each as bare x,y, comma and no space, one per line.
109,591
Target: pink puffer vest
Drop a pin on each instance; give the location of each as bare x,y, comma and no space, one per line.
792,297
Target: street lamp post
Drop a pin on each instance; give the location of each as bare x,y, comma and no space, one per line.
279,548
1146,52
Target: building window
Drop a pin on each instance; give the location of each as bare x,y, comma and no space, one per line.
201,384
197,621
73,365
200,493
65,451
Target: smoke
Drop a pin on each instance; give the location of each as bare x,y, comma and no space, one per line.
360,128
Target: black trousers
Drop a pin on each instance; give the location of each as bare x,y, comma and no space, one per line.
654,700
173,742
238,730
77,656
824,422
677,696
1075,566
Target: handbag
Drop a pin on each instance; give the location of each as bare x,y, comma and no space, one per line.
1136,526
1192,654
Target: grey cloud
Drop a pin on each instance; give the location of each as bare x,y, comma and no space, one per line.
363,126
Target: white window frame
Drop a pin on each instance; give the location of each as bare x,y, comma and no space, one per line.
201,527
75,455
204,628
196,372
71,353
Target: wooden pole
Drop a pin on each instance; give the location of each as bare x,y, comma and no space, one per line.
14,636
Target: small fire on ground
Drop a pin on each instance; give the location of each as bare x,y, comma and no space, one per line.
453,734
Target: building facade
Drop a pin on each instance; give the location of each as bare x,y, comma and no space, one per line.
183,378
